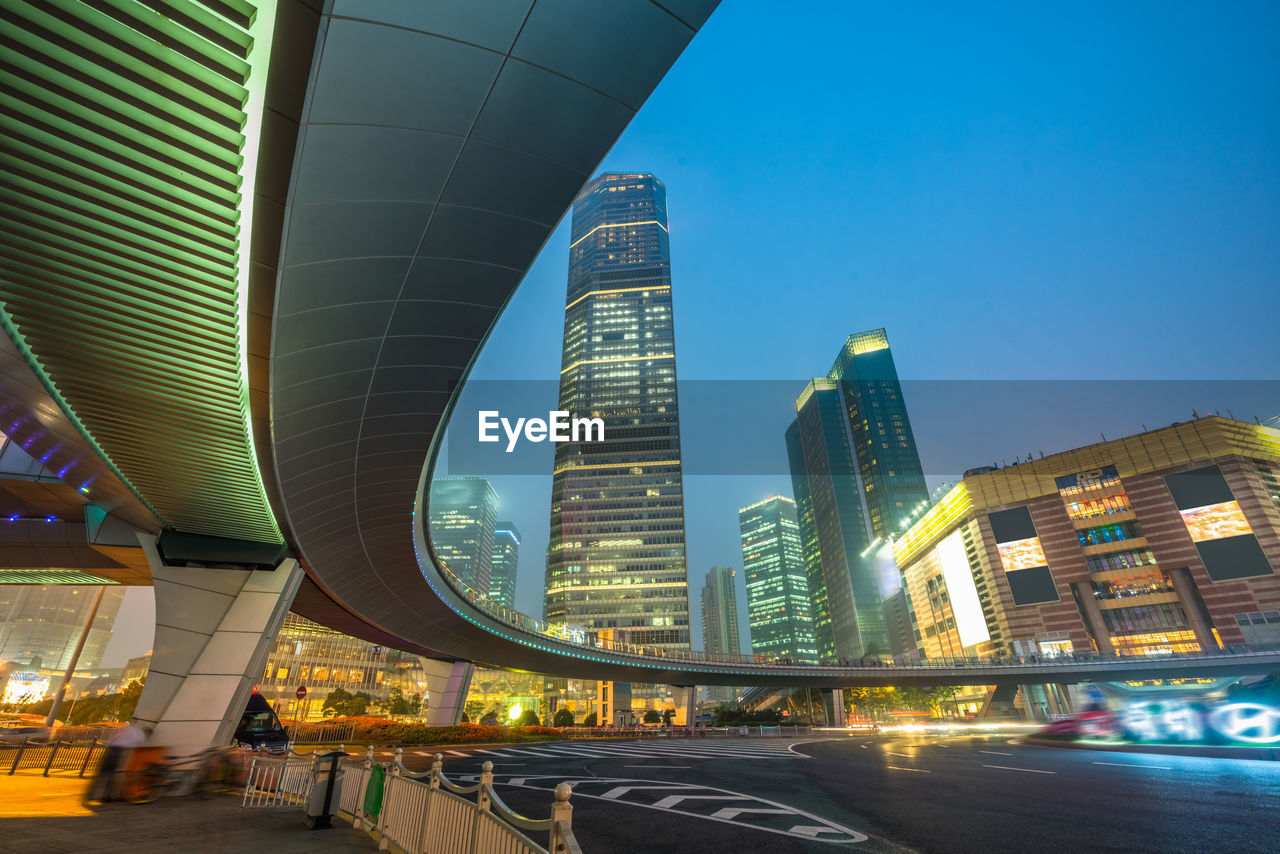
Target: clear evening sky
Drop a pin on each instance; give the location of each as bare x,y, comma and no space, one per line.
1082,191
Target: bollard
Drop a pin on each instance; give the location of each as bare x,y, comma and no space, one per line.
486,783
561,814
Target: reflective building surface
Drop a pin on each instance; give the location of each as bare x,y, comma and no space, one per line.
616,557
505,563
464,516
777,590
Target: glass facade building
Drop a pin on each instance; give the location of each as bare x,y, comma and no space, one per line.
858,481
616,555
463,514
323,659
40,624
777,590
503,566
720,612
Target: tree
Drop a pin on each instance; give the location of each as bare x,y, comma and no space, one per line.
563,718
343,704
667,715
529,718
652,717
591,719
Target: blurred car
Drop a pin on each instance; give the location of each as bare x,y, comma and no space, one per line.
20,734
260,728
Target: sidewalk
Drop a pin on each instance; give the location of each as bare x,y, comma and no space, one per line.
47,816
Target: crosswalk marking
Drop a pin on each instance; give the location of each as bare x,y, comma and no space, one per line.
678,749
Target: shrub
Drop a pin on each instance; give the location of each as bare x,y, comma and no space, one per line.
384,731
529,718
652,717
564,717
591,720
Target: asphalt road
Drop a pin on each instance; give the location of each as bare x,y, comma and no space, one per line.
892,792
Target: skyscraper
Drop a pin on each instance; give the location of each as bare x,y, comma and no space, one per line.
616,556
777,590
40,624
463,513
858,479
720,612
506,559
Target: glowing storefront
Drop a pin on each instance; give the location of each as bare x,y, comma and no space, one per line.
1167,541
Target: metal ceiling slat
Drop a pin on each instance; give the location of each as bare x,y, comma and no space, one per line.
106,283
133,18
126,180
89,206
212,134
168,71
232,61
45,215
125,195
183,145
145,266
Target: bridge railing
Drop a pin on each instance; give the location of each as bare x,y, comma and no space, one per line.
428,813
576,637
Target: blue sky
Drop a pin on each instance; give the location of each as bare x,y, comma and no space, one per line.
1072,192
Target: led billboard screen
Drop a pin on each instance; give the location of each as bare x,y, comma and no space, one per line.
1025,566
1216,521
965,606
1223,537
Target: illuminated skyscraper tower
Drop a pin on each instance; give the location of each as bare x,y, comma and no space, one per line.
463,513
858,481
777,591
506,560
616,557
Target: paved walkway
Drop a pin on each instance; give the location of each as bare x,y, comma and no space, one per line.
47,816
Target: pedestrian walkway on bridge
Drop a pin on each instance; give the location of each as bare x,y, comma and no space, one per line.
49,816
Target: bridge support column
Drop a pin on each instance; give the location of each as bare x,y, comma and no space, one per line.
214,631
686,704
833,706
447,686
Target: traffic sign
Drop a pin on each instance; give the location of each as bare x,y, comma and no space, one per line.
302,691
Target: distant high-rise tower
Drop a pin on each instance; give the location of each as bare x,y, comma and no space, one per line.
720,612
506,559
464,513
41,623
777,590
616,556
858,478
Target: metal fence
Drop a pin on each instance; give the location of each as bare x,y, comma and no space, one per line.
66,758
430,814
277,781
322,732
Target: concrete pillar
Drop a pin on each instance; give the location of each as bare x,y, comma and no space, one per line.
686,704
1093,617
833,706
1189,597
614,698
447,686
214,631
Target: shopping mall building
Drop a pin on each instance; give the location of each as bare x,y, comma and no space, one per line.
1164,541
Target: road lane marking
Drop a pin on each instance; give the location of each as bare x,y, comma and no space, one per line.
940,744
903,755
1130,765
813,826
917,770
1011,768
996,752
864,747
685,767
